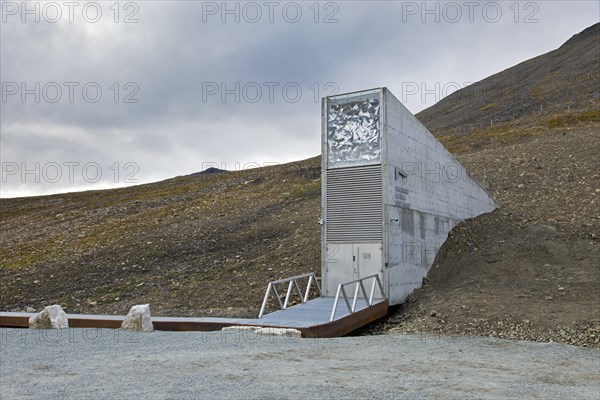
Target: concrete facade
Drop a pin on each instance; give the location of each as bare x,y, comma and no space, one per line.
424,193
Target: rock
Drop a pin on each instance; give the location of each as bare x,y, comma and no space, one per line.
138,319
278,332
51,317
269,331
237,328
29,309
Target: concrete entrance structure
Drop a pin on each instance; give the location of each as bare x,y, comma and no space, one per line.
391,193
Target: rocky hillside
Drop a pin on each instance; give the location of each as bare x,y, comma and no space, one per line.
195,245
207,244
531,269
550,90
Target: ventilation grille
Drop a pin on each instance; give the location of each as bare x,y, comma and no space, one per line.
354,204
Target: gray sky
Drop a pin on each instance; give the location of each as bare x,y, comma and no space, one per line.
97,96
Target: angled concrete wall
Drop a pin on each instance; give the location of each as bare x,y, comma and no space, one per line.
424,193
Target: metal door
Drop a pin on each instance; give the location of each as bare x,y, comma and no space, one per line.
349,261
368,261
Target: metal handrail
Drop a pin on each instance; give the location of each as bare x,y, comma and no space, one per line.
360,285
293,283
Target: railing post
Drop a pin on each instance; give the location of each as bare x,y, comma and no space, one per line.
337,297
372,291
310,278
264,303
287,295
355,297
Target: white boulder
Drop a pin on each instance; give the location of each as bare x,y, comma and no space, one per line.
268,331
289,332
51,317
237,328
138,319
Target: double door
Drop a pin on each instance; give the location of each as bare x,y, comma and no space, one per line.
349,261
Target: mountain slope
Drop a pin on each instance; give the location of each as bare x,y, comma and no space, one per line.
207,244
187,245
565,80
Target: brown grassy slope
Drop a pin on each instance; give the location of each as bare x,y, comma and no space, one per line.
190,245
565,80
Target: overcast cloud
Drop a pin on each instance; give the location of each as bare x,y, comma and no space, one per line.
162,111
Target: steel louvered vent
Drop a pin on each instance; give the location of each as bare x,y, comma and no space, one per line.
354,204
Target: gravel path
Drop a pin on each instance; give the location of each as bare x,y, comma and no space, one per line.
113,364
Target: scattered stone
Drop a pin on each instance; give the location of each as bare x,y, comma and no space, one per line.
138,319
239,328
288,332
51,317
259,330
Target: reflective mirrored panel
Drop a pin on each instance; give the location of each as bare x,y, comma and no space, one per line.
353,130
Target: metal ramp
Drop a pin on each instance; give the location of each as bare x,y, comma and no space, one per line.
320,317
323,316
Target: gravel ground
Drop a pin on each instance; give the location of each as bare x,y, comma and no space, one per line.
113,364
